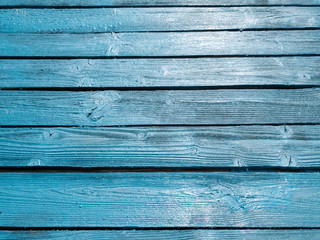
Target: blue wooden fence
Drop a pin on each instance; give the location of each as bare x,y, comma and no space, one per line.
159,119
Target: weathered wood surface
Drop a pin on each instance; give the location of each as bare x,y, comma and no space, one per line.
251,146
164,234
161,44
155,19
108,108
244,49
160,72
243,199
155,2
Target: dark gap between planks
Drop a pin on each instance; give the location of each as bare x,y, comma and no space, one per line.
159,88
155,169
155,57
158,125
151,6
182,31
150,228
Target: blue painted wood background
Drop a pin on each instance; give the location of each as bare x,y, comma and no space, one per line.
159,119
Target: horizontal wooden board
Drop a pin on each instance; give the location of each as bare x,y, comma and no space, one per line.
164,234
164,72
154,2
161,44
225,199
155,19
161,147
107,108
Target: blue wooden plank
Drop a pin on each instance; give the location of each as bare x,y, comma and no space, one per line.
153,2
223,199
161,147
164,234
187,72
108,108
182,199
155,19
161,44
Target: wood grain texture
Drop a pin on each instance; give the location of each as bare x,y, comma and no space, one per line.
161,44
225,199
288,71
251,146
154,2
155,19
107,108
156,235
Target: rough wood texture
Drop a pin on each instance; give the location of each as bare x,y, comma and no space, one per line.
106,108
244,199
257,63
155,19
154,2
159,72
166,234
162,44
252,146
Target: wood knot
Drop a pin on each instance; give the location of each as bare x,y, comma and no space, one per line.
286,131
